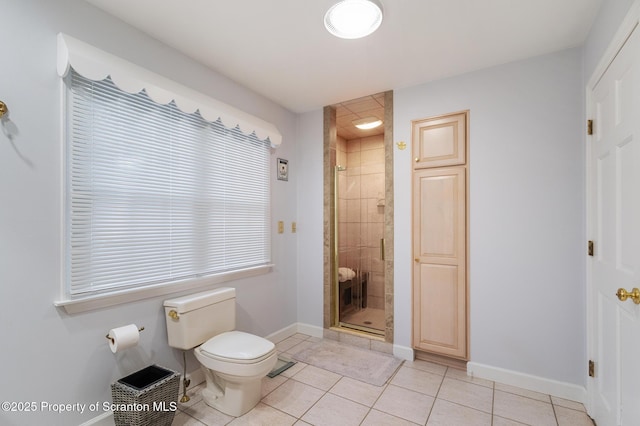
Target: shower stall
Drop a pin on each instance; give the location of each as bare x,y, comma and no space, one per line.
359,234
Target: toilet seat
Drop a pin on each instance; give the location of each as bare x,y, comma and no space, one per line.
237,347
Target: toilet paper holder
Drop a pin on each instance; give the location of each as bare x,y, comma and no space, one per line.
111,338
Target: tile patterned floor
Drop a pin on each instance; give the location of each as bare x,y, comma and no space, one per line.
367,317
419,393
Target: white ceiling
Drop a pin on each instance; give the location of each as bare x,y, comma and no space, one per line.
280,49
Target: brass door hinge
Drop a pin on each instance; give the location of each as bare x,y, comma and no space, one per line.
592,369
590,248
589,127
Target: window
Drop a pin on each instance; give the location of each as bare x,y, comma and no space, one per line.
155,195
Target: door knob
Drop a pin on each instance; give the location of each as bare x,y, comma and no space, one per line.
624,295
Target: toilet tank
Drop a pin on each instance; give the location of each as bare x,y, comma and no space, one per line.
194,319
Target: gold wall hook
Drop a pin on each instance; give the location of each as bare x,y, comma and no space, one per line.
3,109
401,145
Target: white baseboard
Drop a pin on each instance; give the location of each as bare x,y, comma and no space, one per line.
310,330
283,333
526,381
298,327
104,419
403,352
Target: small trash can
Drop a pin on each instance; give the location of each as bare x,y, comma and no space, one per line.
146,397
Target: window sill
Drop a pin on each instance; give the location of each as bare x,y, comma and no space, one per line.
98,301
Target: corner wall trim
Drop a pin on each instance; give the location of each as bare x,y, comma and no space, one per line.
403,352
526,381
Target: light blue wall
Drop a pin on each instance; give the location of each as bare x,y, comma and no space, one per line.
48,355
309,141
526,209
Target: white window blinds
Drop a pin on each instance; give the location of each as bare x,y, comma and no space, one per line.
155,195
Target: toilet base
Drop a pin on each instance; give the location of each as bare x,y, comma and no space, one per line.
231,395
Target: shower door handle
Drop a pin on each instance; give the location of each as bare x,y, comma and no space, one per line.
381,248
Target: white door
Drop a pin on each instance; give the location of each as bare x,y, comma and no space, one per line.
614,227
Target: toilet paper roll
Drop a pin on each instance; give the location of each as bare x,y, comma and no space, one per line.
122,338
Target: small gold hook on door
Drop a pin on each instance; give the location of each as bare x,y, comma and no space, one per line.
3,109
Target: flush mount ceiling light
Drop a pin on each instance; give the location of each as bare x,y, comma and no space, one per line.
367,123
353,18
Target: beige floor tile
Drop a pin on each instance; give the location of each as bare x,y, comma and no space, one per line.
454,373
298,348
417,380
353,340
293,398
207,415
523,392
183,419
333,410
357,391
269,384
567,403
569,417
301,423
195,395
523,409
405,403
301,336
467,394
263,415
293,370
446,413
317,377
501,421
378,418
431,367
288,343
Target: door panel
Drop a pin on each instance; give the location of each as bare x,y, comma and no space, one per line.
439,298
438,217
440,261
440,141
614,216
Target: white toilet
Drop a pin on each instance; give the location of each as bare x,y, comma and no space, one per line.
234,362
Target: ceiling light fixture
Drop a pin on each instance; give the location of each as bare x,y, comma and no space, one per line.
353,18
367,123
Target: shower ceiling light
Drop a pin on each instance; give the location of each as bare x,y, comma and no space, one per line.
367,123
353,18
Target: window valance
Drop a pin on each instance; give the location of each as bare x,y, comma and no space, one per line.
96,65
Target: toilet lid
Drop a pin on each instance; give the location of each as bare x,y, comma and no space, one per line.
237,345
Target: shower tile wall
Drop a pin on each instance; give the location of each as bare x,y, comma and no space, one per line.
361,210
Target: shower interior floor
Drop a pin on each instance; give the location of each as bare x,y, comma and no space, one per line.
366,317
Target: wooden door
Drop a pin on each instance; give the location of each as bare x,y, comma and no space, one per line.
614,226
439,247
440,141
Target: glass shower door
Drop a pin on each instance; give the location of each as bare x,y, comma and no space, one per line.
357,256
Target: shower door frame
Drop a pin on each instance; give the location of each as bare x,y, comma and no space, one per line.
331,285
